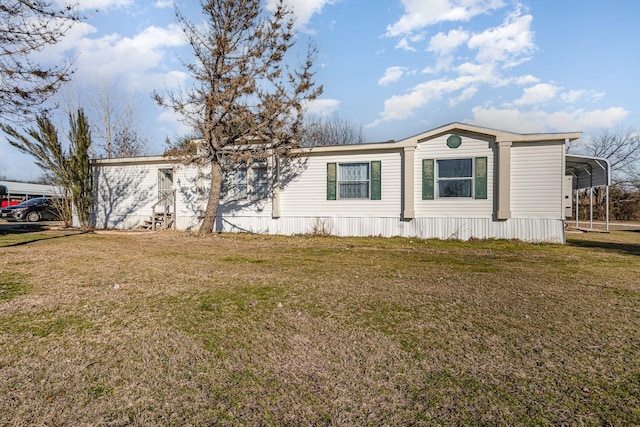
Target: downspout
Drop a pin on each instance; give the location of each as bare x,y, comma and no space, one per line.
275,197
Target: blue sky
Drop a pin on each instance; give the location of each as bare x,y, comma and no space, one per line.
397,67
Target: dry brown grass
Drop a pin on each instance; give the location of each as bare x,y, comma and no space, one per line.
174,329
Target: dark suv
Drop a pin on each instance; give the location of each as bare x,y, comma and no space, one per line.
32,210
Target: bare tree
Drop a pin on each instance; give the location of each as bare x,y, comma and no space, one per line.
621,147
27,27
247,103
113,114
333,130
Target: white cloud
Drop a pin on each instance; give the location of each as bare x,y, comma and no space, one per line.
525,80
303,10
510,43
323,107
173,123
466,95
391,75
101,4
573,96
134,56
542,121
403,44
423,13
443,43
455,75
164,4
400,107
481,73
537,94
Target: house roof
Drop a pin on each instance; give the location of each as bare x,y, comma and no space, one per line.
456,127
588,171
497,135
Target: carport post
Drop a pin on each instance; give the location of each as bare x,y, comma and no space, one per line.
607,196
591,208
577,203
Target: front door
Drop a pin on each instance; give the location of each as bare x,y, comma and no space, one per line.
165,190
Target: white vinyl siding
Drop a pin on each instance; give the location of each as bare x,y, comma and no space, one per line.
536,180
306,194
453,207
124,194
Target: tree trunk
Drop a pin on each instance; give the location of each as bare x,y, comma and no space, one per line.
209,222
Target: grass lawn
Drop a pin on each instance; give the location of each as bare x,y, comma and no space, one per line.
170,328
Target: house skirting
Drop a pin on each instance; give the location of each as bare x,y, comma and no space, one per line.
526,229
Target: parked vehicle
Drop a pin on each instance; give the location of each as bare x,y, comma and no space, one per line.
32,210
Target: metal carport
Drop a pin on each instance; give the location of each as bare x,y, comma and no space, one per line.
588,173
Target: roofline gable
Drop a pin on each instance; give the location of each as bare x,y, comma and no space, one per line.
495,134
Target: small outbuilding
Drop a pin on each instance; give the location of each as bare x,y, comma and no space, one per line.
14,192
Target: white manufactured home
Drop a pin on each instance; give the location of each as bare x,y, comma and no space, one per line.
458,181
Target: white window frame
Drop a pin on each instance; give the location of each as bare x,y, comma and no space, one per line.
258,180
340,181
245,182
470,178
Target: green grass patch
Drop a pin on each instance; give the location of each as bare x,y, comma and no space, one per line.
42,324
12,285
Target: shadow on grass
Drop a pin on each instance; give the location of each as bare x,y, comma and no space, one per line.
624,248
28,228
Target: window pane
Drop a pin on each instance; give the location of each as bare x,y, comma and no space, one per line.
237,182
260,182
354,190
457,168
354,172
353,181
454,188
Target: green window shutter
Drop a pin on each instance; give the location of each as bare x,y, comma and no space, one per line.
481,178
376,180
331,181
427,179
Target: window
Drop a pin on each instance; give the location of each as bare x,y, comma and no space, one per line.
247,182
353,181
360,180
259,181
237,183
455,178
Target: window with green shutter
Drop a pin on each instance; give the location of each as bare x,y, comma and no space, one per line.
376,180
331,181
427,179
361,180
454,178
481,178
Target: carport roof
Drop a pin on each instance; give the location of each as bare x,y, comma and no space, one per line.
588,171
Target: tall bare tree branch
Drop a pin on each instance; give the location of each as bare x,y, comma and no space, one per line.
27,27
333,130
245,89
